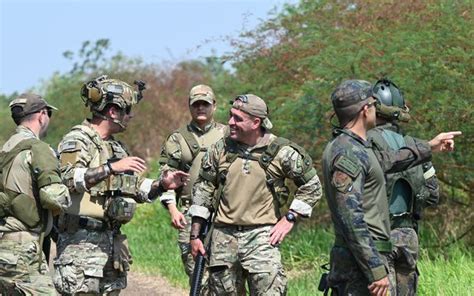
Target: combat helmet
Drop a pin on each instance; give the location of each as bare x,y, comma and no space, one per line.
102,91
390,102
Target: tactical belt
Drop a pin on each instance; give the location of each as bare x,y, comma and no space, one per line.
71,223
19,236
381,245
240,227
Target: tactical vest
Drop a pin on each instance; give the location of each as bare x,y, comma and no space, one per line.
97,203
20,205
191,160
406,190
280,193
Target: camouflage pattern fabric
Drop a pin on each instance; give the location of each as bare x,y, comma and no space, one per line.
176,149
402,260
85,264
237,254
355,190
187,258
20,273
346,277
288,163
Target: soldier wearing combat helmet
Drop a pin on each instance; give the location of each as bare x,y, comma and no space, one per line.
355,191
242,181
408,191
31,192
105,183
183,150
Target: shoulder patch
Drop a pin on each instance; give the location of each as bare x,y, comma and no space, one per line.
348,166
69,146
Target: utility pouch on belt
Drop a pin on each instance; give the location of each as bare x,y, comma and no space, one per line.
23,207
121,254
323,285
121,209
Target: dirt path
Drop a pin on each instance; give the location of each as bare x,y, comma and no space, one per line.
144,285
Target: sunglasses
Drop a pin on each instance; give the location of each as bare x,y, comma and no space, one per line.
242,98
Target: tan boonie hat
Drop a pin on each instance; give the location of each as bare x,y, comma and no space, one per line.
201,92
253,105
28,103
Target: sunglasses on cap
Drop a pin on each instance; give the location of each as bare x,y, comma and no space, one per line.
242,98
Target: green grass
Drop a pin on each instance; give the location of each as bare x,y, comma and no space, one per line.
153,243
444,271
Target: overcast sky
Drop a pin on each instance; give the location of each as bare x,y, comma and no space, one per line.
35,33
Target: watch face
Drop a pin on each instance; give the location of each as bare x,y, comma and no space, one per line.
290,217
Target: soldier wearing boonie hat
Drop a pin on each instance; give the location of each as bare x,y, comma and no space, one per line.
242,182
31,192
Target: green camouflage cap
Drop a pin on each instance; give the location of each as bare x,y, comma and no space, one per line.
349,97
28,103
253,105
201,92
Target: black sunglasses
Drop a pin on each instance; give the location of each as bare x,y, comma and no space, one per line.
242,98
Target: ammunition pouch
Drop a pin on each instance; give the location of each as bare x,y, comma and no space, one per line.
72,223
121,209
21,206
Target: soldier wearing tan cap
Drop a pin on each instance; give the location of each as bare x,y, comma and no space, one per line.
242,183
183,150
31,192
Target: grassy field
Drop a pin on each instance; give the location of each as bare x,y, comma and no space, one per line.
447,271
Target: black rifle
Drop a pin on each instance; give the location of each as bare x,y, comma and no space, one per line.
200,261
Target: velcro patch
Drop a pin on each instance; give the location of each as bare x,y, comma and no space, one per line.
68,158
342,182
69,146
348,166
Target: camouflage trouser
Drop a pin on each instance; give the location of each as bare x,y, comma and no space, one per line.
402,261
187,258
345,277
84,264
238,253
20,273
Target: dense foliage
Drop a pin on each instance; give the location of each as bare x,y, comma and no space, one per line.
294,60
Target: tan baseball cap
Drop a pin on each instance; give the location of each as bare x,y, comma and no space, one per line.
201,92
253,105
28,103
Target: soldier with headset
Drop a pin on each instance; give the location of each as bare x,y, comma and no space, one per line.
183,150
408,191
105,184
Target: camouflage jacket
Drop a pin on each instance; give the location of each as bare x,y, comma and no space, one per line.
21,179
355,190
83,148
177,155
419,184
246,199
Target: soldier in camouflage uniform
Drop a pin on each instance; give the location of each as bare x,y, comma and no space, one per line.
105,184
408,191
31,192
242,181
183,150
355,191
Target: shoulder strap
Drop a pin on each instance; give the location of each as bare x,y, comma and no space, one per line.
190,140
7,157
90,133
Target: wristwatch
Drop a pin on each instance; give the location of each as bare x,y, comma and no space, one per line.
291,217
